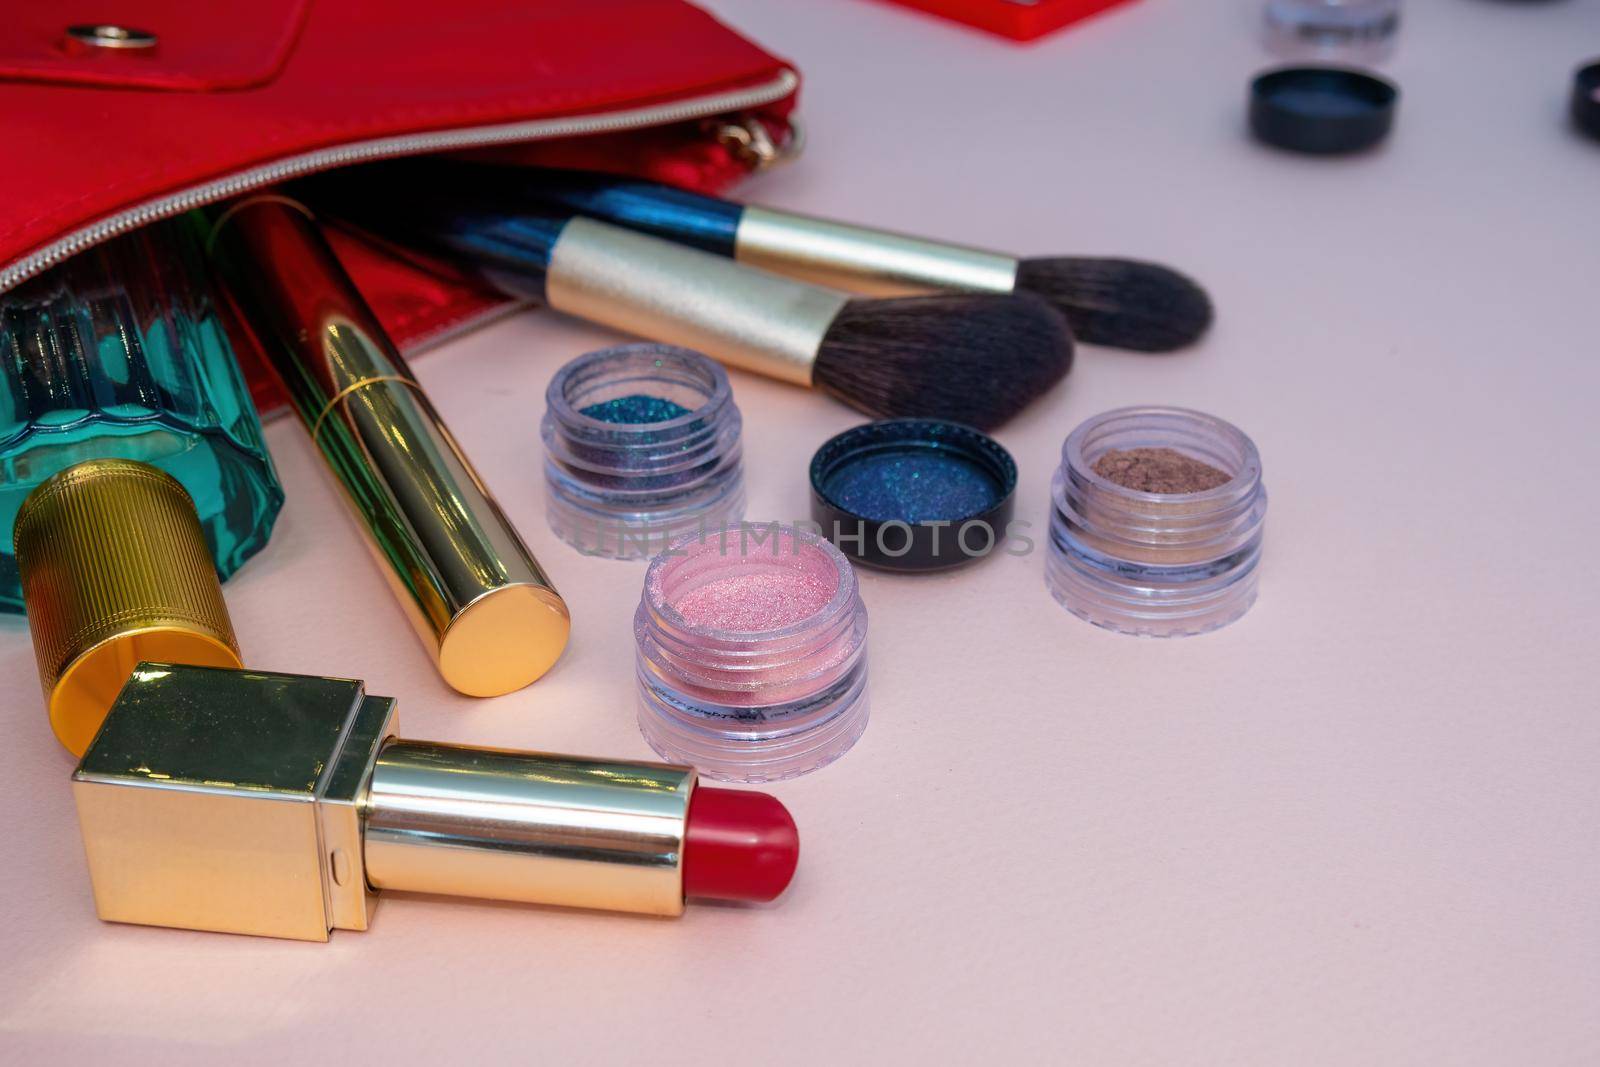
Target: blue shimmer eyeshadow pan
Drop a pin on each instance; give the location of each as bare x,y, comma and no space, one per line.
913,485
635,409
913,494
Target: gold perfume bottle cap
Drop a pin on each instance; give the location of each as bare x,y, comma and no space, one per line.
115,570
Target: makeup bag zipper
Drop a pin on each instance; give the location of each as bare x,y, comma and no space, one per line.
745,135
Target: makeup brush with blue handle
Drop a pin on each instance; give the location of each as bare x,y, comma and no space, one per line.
1120,303
976,358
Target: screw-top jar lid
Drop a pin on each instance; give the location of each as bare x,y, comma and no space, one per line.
1586,98
1322,110
913,494
115,571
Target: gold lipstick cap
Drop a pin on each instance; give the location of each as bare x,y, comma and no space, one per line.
115,570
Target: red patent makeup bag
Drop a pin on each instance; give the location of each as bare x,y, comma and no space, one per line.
177,104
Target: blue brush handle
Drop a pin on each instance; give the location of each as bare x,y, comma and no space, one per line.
512,252
702,222
509,246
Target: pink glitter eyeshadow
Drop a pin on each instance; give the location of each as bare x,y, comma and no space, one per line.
746,586
754,601
752,653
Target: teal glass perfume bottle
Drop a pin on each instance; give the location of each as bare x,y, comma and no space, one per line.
120,352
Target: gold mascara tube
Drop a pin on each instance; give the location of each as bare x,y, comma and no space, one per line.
478,600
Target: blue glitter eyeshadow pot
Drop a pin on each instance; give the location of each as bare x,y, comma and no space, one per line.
641,447
913,494
635,408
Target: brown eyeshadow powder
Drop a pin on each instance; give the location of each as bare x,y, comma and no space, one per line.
1159,470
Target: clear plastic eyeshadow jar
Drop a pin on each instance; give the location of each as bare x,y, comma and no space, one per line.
641,447
752,653
1167,563
1353,31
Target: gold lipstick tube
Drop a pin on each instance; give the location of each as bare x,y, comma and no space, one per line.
477,598
526,826
872,262
280,804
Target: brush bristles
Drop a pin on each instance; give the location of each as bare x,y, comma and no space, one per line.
1121,303
977,359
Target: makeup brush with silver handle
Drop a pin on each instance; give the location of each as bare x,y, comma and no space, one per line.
1120,303
973,358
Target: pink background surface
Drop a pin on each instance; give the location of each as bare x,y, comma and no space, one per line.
1357,827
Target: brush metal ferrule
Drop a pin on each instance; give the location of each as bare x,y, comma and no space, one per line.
476,597
527,826
863,260
682,296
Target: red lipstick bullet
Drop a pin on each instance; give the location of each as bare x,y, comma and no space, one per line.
739,846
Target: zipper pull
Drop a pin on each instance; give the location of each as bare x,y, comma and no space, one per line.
752,143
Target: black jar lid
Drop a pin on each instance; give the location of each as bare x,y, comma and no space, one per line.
913,494
1322,110
1586,98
